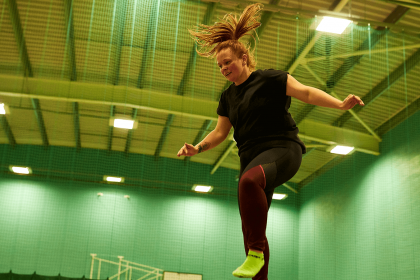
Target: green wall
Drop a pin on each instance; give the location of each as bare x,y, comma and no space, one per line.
361,219
52,220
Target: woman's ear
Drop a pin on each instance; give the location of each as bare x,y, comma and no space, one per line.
244,59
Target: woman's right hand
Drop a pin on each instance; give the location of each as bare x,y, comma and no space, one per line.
187,150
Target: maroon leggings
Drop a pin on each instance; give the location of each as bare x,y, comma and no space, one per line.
260,175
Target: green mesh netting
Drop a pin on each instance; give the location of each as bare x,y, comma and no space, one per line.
68,68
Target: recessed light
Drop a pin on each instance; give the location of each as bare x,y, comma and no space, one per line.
333,25
279,196
2,109
113,179
201,188
20,169
342,150
120,123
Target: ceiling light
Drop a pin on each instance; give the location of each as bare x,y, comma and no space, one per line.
2,110
200,188
114,179
120,123
279,196
342,150
333,25
21,169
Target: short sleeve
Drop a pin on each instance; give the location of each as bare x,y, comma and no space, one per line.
222,108
281,79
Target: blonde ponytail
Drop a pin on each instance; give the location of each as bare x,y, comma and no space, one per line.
226,34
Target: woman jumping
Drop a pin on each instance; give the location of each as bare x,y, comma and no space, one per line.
256,105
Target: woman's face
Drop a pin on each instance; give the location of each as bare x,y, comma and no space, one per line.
230,65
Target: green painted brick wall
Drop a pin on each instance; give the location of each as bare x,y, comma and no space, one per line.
53,220
361,219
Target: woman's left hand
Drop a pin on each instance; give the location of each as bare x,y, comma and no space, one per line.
351,101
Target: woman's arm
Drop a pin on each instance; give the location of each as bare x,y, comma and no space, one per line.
318,97
214,138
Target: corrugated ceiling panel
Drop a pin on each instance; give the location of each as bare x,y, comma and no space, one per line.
143,147
94,141
311,163
412,18
373,10
15,102
3,137
24,126
184,122
44,36
59,107
130,65
165,70
60,128
156,118
94,126
94,110
205,82
9,52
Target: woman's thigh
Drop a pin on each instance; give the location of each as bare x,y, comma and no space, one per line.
279,164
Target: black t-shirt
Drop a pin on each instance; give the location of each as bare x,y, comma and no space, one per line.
258,111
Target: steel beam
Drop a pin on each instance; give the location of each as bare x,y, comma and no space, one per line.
20,40
405,4
121,24
223,156
338,7
71,50
211,7
380,88
350,111
152,28
71,54
296,11
164,134
331,135
290,188
76,118
130,132
145,99
265,19
363,52
334,162
201,134
7,130
400,117
111,128
40,121
350,62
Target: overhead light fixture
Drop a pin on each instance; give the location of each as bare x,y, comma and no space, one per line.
333,25
20,169
279,196
341,150
113,179
4,109
120,123
201,188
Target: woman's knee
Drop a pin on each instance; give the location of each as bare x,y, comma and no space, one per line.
252,177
